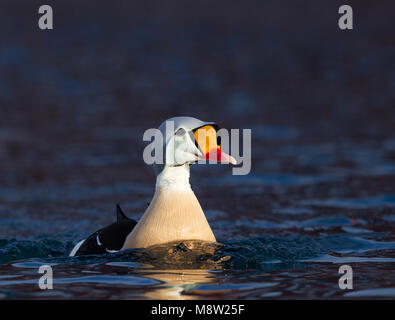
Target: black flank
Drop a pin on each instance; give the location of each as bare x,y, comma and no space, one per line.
109,238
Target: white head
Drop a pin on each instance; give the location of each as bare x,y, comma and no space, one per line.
186,141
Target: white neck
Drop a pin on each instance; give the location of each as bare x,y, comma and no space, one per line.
174,178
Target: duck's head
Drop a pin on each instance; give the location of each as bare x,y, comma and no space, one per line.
187,140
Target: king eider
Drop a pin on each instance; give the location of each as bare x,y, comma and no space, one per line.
174,212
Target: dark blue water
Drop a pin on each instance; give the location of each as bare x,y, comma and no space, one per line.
321,193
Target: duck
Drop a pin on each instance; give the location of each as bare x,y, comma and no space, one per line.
174,214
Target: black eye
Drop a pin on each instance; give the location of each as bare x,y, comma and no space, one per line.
180,132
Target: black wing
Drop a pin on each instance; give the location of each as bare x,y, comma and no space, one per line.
110,238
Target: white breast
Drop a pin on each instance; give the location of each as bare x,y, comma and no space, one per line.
174,214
